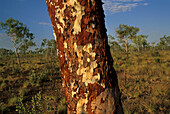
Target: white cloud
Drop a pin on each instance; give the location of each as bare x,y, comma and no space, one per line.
44,23
116,6
145,4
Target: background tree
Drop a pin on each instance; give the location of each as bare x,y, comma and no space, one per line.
164,42
51,46
139,41
41,50
114,45
25,45
89,79
152,44
132,48
5,52
18,32
44,44
125,33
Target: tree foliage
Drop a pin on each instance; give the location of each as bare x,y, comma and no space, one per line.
19,34
139,41
5,52
51,46
25,45
114,44
164,43
125,33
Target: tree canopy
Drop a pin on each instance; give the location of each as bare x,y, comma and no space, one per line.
19,33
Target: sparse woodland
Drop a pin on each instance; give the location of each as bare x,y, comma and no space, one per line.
34,85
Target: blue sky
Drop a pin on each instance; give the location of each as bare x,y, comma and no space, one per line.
151,16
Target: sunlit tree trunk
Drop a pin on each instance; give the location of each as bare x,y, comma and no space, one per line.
138,47
89,80
126,48
17,56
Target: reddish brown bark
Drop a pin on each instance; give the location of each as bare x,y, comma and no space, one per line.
89,80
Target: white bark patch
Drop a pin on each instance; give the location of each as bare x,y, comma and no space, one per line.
70,66
55,36
88,59
78,12
73,87
65,44
60,17
87,72
82,105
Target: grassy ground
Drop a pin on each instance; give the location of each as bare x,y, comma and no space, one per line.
144,81
36,86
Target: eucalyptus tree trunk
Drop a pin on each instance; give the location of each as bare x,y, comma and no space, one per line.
126,48
17,56
138,48
89,79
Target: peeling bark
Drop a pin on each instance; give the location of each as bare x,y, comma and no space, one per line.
89,80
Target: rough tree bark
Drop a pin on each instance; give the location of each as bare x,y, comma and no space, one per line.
89,80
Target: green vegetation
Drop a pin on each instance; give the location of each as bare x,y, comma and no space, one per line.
35,86
125,33
19,34
21,90
144,81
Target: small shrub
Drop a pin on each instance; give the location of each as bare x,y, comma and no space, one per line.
33,78
2,108
11,90
16,70
43,76
22,91
62,108
157,60
1,78
20,108
48,66
12,101
155,54
25,85
48,102
36,105
3,85
138,61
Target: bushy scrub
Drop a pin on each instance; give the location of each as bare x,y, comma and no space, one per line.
16,70
44,76
62,108
12,101
145,90
157,60
3,85
33,78
36,106
155,54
